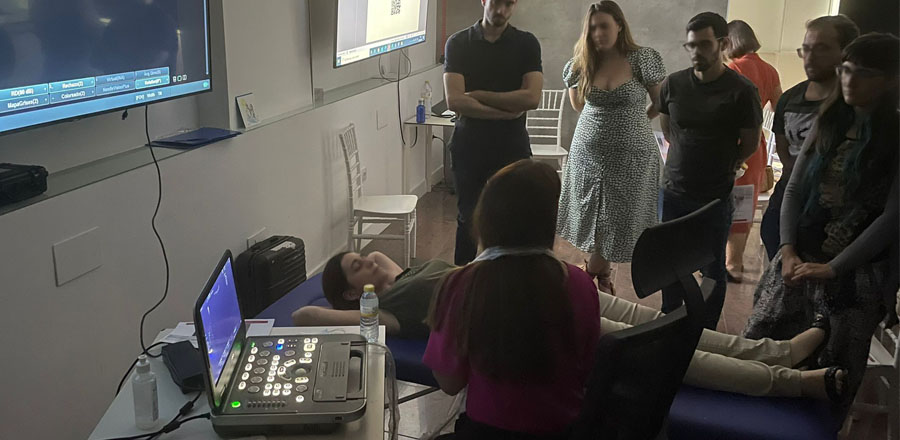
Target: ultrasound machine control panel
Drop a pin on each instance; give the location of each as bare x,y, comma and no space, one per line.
297,374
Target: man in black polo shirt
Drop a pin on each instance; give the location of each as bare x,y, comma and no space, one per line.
711,117
492,76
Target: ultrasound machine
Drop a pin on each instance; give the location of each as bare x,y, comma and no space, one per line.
274,384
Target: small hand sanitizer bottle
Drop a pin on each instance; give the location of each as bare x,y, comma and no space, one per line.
146,401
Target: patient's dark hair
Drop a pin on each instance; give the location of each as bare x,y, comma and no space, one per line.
334,283
515,303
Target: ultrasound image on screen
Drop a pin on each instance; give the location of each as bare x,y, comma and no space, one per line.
67,53
221,319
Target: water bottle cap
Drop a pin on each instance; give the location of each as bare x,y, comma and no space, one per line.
369,288
143,365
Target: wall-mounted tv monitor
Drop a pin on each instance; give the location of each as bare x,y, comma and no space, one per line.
368,28
67,59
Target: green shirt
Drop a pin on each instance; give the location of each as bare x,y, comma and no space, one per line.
410,296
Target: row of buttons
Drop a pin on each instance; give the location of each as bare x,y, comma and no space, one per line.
270,382
281,341
286,388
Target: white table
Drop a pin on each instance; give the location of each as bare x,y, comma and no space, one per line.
446,125
119,418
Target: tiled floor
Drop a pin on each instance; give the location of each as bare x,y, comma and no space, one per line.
436,239
424,414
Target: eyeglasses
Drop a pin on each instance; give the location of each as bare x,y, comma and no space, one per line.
704,46
816,50
858,72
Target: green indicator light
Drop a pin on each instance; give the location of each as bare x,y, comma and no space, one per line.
235,404
253,344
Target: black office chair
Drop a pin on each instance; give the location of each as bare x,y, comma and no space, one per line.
640,369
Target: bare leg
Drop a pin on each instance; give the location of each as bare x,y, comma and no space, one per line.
805,344
734,254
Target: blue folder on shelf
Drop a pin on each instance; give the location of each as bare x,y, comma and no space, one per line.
197,138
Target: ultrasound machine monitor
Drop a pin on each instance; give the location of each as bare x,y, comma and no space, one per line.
274,384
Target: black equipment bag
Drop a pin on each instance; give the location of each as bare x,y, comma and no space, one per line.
20,182
267,271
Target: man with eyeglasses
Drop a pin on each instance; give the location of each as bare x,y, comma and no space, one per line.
825,39
711,117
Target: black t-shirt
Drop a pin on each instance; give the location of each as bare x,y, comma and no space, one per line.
705,120
493,67
794,116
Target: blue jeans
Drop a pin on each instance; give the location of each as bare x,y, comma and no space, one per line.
677,206
770,228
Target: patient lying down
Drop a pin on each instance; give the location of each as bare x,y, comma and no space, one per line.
721,362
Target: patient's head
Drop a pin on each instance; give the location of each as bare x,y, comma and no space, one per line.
345,275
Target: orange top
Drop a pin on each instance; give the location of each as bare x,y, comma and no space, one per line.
760,73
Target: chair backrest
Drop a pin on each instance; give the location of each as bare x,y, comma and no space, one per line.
768,118
769,136
888,338
347,137
671,252
544,124
639,370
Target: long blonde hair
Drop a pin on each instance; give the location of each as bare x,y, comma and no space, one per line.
586,62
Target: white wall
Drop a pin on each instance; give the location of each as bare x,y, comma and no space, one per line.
73,342
268,55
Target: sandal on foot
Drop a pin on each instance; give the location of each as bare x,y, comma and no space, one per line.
831,384
821,321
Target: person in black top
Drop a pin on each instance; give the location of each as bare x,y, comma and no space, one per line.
798,107
711,117
492,76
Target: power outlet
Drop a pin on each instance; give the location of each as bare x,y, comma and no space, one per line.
256,238
365,173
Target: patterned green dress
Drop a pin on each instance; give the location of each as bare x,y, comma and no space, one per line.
611,183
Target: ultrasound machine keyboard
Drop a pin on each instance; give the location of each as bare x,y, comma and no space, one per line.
275,374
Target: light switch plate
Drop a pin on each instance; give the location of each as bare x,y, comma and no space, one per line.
382,117
77,256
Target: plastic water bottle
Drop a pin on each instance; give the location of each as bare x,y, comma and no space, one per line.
427,94
368,314
146,401
420,112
